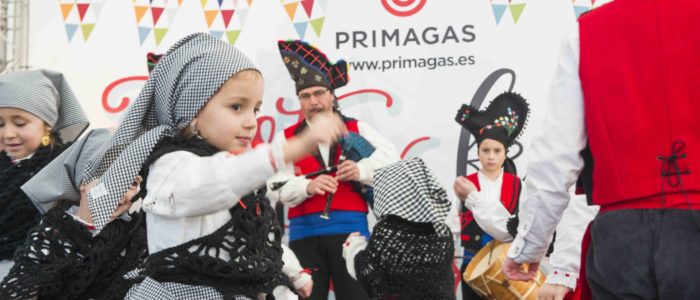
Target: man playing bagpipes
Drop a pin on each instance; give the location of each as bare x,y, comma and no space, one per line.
330,191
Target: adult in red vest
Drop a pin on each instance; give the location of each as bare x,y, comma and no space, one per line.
624,86
317,241
491,195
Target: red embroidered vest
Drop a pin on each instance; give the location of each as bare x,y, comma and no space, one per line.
345,198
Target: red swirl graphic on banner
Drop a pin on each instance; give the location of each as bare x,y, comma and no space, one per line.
413,143
124,103
258,139
279,104
403,8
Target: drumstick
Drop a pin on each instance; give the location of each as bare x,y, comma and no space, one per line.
491,252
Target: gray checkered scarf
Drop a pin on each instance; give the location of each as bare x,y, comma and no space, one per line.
409,190
47,95
60,179
185,78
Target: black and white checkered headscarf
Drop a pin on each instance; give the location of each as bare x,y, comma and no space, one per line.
47,95
185,78
61,178
409,190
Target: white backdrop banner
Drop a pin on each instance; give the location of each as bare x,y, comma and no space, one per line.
412,63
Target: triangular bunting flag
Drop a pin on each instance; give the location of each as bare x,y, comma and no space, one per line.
308,6
210,15
323,3
220,1
97,8
204,3
317,25
179,2
578,10
291,9
217,34
87,30
301,28
242,14
250,2
143,33
160,33
70,30
232,36
516,10
498,10
170,13
593,2
156,12
140,11
82,9
65,9
227,14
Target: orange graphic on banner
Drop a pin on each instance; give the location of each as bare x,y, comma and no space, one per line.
314,15
291,9
80,17
140,11
162,14
210,15
233,14
65,9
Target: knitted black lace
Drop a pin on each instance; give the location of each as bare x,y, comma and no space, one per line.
251,240
17,213
406,260
62,260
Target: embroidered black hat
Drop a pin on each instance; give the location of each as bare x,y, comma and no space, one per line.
308,66
503,120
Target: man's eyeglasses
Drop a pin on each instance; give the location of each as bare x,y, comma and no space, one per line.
316,93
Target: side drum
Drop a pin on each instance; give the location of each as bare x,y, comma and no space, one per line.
485,277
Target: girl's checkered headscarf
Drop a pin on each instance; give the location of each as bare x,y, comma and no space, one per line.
182,82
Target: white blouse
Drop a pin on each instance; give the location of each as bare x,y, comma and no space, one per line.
487,208
189,196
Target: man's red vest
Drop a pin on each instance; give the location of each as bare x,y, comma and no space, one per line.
345,198
640,76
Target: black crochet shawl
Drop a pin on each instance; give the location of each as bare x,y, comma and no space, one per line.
61,259
406,260
17,213
252,240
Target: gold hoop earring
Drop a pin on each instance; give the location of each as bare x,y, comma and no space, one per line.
46,139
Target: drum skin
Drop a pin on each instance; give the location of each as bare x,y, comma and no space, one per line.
491,283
